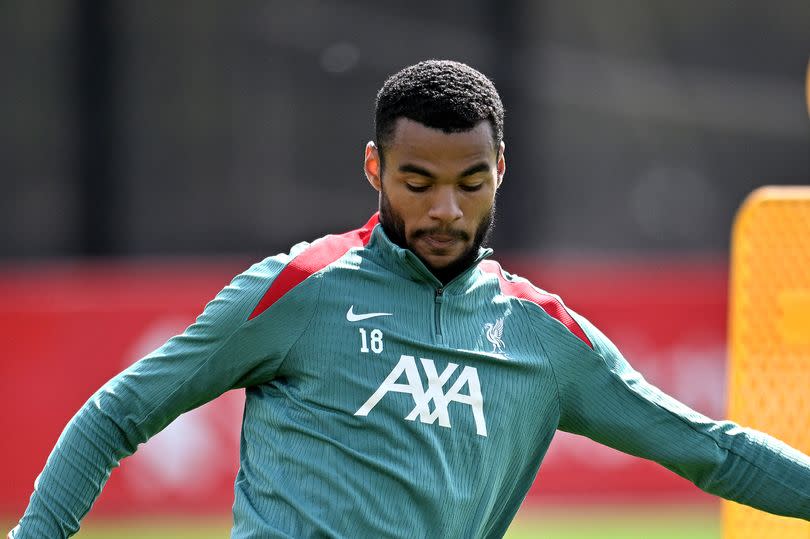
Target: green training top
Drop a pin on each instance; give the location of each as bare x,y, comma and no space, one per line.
380,403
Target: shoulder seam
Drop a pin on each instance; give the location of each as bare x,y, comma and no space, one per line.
309,323
202,365
319,255
548,303
550,364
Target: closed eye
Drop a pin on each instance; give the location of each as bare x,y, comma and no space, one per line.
471,188
416,188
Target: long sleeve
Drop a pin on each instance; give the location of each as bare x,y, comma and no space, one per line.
603,398
222,350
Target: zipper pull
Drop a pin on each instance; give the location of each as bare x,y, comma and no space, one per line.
437,311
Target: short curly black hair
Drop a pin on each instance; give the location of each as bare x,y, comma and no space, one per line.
442,94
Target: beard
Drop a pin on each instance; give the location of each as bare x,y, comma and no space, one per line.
394,227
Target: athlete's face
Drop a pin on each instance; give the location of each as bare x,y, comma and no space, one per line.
437,191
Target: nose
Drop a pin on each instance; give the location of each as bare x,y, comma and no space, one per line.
444,205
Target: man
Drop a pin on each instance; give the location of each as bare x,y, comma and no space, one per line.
398,383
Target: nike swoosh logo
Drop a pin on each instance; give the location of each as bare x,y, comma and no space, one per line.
351,317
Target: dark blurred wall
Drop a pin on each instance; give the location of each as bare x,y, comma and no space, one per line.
39,199
140,128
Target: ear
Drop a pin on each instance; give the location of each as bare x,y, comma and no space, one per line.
501,163
371,166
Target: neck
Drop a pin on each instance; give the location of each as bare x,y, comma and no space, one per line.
444,274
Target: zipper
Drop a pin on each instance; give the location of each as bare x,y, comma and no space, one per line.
438,298
437,310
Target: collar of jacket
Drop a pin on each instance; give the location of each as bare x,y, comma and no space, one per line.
405,263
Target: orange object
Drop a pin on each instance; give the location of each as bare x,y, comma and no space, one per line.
769,337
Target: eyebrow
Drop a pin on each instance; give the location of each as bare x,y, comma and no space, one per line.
416,169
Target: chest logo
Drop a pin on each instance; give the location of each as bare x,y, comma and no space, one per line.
434,394
495,335
351,316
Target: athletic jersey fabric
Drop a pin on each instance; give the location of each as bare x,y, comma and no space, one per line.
380,403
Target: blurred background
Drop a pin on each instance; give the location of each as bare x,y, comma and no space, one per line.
150,150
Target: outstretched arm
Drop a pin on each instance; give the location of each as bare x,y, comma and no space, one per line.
220,351
603,398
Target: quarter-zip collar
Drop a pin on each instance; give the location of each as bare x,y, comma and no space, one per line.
381,250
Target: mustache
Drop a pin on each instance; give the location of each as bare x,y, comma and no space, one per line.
438,231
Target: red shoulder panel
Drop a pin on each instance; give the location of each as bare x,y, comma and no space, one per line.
314,258
547,302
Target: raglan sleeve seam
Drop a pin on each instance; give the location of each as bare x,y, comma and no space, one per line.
203,364
550,360
215,352
317,302
188,379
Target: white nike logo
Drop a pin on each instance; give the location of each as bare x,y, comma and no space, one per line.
351,317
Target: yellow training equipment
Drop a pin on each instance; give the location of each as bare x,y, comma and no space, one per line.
769,337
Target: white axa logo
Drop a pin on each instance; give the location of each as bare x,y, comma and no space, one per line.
434,393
